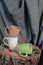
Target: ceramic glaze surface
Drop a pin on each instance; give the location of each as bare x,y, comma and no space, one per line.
24,49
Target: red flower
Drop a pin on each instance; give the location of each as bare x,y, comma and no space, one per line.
10,50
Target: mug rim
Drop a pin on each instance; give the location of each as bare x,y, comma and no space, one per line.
11,37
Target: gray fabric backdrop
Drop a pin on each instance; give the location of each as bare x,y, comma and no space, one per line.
27,15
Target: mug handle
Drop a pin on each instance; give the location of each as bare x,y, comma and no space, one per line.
22,54
5,38
7,31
